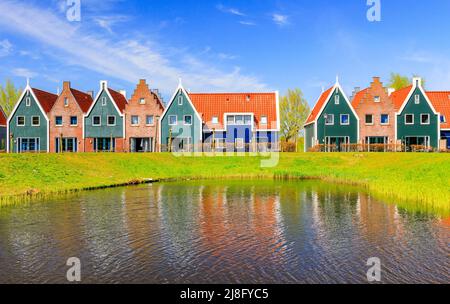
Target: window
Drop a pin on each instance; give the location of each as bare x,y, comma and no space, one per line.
21,121
384,119
219,143
248,119
103,101
345,119
369,119
187,120
264,120
149,120
417,99
28,101
230,119
329,119
409,119
58,120
215,120
376,99
142,101
96,121
73,120
35,121
134,120
424,119
180,100
443,120
336,99
111,120
173,120
66,102
239,142
239,119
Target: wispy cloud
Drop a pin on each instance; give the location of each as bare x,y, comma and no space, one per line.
280,19
23,72
230,10
249,23
5,47
418,57
107,22
225,56
126,60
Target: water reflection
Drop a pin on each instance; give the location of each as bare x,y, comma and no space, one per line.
222,232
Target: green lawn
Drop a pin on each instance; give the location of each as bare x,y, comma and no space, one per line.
419,181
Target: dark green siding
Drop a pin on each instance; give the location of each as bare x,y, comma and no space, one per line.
337,130
104,111
417,129
28,131
309,136
180,130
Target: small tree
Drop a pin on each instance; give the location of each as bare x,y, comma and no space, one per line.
398,81
294,111
9,95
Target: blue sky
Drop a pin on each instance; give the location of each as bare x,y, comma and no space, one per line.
253,45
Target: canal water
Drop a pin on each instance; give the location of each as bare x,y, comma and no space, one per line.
222,232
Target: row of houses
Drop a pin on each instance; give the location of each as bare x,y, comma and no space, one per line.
379,118
76,121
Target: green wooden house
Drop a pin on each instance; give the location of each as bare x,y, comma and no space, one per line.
181,124
104,128
28,126
333,122
417,121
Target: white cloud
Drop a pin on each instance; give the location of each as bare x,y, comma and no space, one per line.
5,47
280,19
23,72
225,56
107,22
418,57
249,23
127,60
230,10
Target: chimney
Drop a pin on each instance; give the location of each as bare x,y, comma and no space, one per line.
390,91
142,82
124,93
91,93
355,91
376,79
66,85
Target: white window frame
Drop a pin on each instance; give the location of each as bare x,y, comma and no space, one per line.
337,99
73,125
66,101
153,120
176,120
142,101
107,121
184,120
219,143
180,100
62,121
17,121
263,122
332,121
103,99
239,143
131,120
388,120
409,124
365,120
99,121
215,120
417,99
28,101
39,121
377,99
442,119
348,121
429,119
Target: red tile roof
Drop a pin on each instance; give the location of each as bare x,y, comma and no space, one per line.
45,99
358,97
84,100
318,106
119,99
217,104
398,97
2,117
441,103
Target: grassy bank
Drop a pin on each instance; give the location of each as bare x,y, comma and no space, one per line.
416,180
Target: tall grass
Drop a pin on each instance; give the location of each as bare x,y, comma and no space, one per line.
419,181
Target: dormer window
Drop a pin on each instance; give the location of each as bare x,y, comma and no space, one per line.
180,100
215,120
416,99
336,99
376,99
103,101
264,120
443,120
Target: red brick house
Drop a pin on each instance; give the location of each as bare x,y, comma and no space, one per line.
376,110
66,120
142,115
